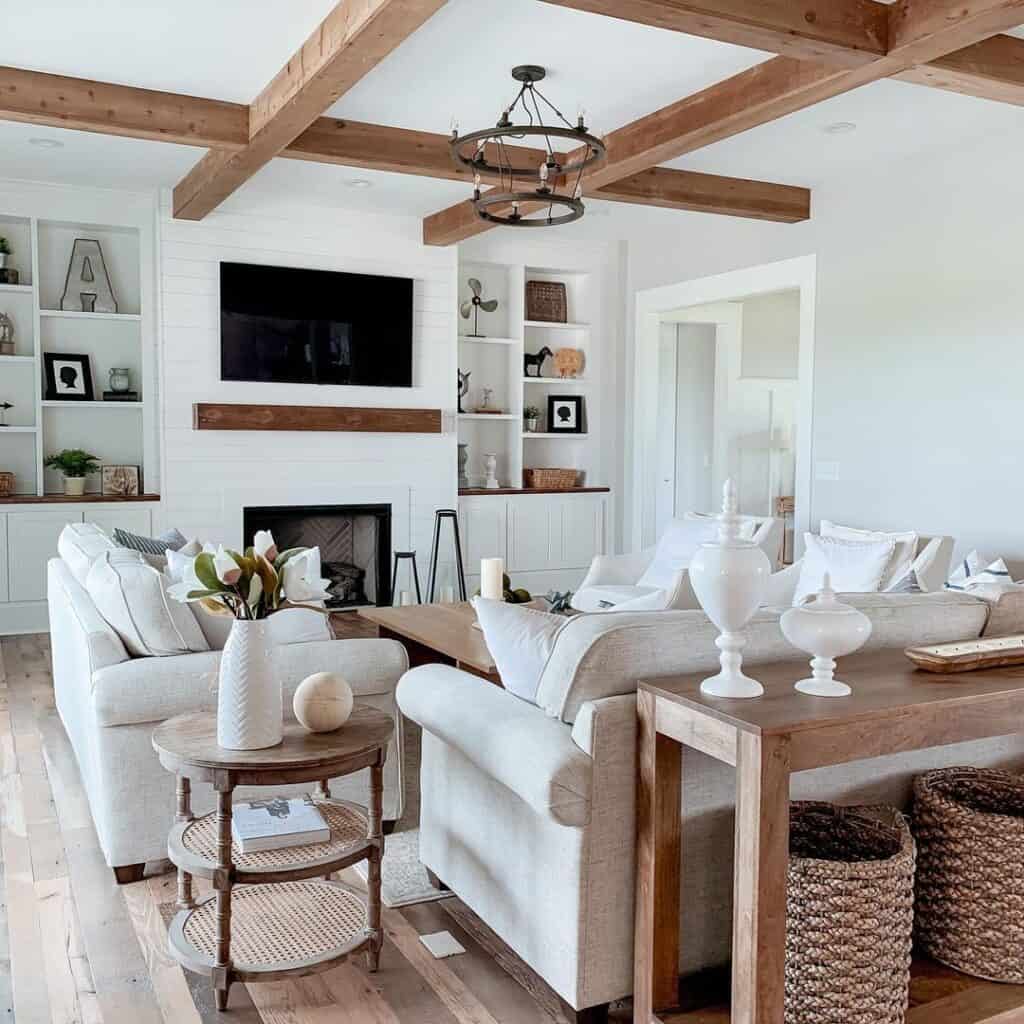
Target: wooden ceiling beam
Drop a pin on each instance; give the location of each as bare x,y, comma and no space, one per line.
992,69
919,31
348,43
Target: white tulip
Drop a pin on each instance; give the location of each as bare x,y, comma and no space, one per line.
227,569
299,581
264,545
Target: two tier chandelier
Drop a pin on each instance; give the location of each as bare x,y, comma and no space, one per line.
528,196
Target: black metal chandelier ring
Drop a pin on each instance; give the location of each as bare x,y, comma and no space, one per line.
489,199
479,164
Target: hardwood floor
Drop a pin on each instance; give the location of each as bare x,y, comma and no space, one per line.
75,948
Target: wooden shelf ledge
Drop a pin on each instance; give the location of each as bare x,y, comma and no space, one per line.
476,492
213,416
64,499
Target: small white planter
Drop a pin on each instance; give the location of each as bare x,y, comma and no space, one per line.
74,486
249,713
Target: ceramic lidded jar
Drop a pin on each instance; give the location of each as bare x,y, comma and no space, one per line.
827,629
729,577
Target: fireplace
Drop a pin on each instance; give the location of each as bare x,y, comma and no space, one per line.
354,543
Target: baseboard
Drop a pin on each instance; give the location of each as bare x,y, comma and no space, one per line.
23,617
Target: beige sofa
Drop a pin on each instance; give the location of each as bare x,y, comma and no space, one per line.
528,811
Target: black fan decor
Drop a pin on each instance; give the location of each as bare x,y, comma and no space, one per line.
474,305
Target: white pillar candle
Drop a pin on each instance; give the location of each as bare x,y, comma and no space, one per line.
492,572
406,598
447,595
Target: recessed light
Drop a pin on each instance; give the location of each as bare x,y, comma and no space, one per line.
359,183
840,128
46,143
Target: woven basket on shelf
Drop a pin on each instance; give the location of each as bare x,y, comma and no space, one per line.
969,826
6,484
850,912
556,479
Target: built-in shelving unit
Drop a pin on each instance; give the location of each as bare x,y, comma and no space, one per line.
496,362
118,433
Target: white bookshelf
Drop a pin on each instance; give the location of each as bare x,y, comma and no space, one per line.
496,361
116,432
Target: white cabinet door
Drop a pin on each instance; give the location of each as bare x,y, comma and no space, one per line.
582,528
534,533
3,558
134,520
482,529
31,543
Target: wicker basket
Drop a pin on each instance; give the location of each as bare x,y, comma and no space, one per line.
6,484
552,479
850,912
969,825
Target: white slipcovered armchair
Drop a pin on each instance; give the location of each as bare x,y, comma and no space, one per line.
619,580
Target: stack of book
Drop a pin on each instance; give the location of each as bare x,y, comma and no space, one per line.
277,822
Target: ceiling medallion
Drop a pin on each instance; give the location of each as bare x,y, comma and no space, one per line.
533,202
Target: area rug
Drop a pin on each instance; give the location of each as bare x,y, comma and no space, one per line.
403,878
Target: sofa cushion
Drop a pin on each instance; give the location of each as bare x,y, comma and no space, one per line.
599,656
132,596
854,567
608,595
80,544
678,544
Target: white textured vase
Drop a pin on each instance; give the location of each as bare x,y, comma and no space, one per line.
249,699
729,577
828,629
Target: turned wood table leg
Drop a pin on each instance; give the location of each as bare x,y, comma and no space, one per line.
759,887
184,813
376,835
659,792
222,883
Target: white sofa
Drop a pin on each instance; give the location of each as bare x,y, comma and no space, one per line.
613,580
110,703
528,811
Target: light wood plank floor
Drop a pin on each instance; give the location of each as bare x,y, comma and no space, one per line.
75,948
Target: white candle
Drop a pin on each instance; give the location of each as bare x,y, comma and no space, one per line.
447,595
492,572
406,598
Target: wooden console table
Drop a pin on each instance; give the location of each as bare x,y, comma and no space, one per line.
894,709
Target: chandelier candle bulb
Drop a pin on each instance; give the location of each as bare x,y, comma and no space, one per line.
492,578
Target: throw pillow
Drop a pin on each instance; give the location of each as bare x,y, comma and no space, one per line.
974,570
904,548
675,550
79,545
656,601
520,641
132,596
169,540
853,567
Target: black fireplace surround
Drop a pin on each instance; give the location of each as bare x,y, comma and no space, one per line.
354,543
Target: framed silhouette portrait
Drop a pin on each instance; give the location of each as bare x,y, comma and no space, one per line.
68,377
565,414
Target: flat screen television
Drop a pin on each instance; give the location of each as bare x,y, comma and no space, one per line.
314,326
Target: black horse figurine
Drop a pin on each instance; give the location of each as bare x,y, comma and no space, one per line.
536,361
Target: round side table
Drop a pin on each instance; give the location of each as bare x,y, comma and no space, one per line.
249,929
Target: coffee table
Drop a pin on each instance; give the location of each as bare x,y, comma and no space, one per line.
250,929
436,634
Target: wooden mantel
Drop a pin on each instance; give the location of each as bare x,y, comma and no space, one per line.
226,416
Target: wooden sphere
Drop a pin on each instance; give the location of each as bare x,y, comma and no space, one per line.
323,702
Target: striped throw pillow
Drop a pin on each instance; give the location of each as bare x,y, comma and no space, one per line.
170,540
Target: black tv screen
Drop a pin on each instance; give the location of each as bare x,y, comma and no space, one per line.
314,326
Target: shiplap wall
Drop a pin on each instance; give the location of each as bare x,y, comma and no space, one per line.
208,475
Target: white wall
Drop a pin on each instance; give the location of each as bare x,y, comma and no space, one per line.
695,417
919,349
209,475
771,335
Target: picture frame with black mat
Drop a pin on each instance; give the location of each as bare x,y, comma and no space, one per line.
68,377
565,414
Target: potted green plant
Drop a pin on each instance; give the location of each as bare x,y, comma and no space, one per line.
5,251
76,465
531,418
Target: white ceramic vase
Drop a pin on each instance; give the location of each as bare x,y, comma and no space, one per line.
828,629
729,577
491,469
249,699
74,486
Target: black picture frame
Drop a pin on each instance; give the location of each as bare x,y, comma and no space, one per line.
565,414
60,386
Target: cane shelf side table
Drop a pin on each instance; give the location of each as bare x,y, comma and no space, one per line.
276,913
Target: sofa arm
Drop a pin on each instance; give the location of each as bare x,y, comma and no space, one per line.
508,739
623,570
154,689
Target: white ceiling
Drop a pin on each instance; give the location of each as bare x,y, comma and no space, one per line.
456,65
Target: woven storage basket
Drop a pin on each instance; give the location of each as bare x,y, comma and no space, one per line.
558,479
850,914
6,484
969,826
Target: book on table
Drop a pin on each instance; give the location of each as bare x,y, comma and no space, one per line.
277,822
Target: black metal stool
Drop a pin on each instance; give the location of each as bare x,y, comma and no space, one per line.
411,555
446,513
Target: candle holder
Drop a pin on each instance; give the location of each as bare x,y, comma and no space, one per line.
729,577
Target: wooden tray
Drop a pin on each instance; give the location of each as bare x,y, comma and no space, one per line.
969,655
